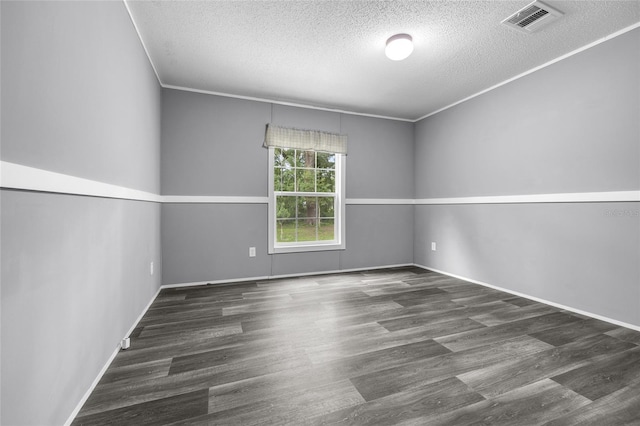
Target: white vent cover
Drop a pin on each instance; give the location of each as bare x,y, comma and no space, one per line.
532,17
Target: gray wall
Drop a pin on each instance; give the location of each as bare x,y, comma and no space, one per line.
570,127
208,141
78,97
213,146
75,277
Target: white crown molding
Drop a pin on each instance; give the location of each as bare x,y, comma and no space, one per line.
531,71
502,83
300,105
291,104
144,46
17,176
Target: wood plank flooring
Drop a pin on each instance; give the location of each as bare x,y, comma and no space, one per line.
398,346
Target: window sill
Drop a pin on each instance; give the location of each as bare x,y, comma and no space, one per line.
306,248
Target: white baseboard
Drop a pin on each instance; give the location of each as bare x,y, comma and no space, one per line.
339,271
536,299
276,277
199,283
86,395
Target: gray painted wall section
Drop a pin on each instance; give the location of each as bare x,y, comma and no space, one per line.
75,277
570,127
305,118
378,235
210,242
78,97
203,242
581,255
380,160
212,146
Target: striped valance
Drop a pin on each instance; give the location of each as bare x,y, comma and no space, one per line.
308,140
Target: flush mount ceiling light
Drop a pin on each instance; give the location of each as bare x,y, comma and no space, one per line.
399,47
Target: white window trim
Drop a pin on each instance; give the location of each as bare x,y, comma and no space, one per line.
339,223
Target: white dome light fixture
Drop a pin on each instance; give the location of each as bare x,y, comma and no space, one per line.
399,47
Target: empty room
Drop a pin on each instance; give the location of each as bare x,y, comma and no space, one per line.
320,212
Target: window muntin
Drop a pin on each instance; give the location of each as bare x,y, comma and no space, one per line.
306,207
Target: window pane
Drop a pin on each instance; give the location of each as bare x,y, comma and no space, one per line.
285,230
288,158
277,179
285,207
306,159
306,180
326,207
307,218
326,230
326,160
307,229
307,207
326,181
284,180
278,158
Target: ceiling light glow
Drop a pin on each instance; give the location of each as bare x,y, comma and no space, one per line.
399,47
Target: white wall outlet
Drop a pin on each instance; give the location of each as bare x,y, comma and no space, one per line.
433,246
151,268
252,252
125,343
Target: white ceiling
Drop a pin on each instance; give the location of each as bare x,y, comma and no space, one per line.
330,54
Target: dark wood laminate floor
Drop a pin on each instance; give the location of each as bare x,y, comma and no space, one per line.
395,346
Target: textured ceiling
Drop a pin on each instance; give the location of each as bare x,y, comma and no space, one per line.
330,54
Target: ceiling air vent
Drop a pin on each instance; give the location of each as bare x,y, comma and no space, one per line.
532,17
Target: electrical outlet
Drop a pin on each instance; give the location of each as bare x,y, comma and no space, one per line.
151,268
252,252
433,246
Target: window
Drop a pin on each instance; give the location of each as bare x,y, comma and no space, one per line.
306,206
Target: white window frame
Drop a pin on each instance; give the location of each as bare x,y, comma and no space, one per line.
339,210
